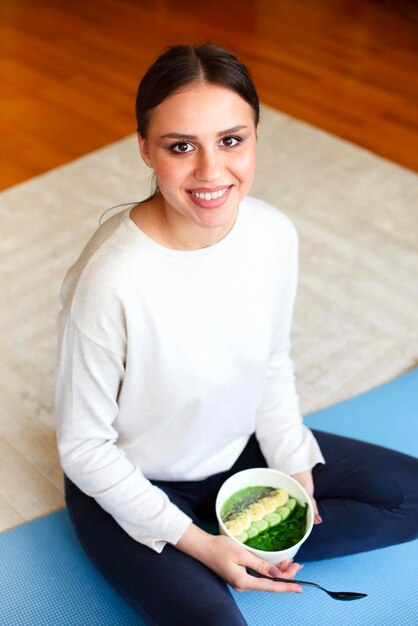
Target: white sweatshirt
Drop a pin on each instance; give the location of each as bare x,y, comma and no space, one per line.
169,360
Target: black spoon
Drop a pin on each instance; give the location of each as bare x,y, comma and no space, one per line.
337,595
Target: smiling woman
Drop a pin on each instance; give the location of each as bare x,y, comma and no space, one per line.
174,368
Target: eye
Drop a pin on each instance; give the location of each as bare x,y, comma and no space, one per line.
230,138
182,147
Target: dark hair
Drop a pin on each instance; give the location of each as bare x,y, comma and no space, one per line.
180,65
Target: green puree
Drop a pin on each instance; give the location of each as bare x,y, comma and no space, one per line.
241,499
284,535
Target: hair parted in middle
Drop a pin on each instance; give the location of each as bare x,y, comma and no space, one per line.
181,65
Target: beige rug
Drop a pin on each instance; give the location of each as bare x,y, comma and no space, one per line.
356,315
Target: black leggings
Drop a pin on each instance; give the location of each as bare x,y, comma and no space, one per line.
367,497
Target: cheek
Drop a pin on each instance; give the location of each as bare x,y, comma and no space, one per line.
245,166
169,171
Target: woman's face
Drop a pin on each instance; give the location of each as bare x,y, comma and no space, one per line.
202,140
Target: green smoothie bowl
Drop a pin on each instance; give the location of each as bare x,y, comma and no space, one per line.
265,510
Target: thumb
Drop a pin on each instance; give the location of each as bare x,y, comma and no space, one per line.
262,567
317,517
273,571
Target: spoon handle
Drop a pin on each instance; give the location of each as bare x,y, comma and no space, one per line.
298,582
337,595
252,572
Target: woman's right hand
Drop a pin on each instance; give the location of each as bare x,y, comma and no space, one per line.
229,560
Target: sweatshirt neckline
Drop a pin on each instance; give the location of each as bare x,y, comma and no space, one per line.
158,247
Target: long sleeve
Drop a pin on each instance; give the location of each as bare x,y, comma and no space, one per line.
87,385
287,444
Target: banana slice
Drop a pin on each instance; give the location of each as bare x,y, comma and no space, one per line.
245,519
280,497
235,527
256,511
269,504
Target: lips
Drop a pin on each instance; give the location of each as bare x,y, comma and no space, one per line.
209,194
214,203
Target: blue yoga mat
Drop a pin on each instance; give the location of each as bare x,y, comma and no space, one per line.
46,580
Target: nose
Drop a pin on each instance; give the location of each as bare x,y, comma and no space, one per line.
208,166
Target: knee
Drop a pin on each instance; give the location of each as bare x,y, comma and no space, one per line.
404,515
407,511
407,519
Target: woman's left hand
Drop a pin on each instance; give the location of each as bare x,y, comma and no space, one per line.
306,480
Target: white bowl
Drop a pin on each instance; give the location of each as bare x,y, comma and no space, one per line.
269,478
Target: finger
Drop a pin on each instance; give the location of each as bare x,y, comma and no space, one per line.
317,517
291,571
267,569
261,584
314,504
285,566
260,566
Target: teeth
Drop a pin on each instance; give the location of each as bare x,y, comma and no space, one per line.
210,196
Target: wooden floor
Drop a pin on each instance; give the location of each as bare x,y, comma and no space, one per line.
69,70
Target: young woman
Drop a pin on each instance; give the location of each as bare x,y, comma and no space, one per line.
174,369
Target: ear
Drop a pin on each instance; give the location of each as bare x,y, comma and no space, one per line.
143,148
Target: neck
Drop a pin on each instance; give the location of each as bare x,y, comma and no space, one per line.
173,230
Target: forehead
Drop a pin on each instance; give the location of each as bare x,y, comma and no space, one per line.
201,109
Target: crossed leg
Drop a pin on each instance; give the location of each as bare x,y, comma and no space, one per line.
165,589
367,498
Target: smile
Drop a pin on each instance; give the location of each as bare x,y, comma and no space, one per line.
210,196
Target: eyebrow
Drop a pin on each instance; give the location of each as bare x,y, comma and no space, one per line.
184,136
